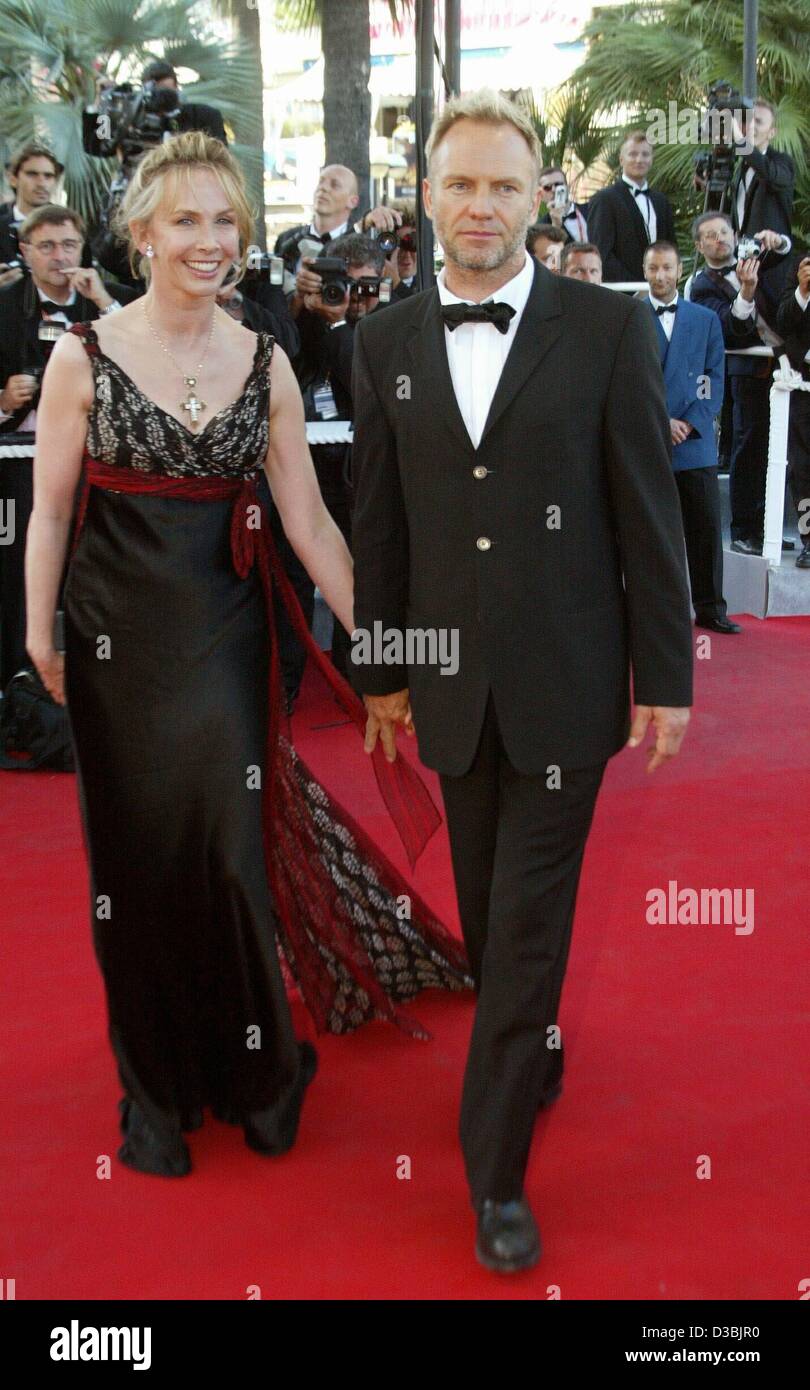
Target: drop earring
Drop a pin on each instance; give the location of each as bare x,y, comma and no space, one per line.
150,250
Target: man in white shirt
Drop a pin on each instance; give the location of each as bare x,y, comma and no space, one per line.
511,460
33,174
33,313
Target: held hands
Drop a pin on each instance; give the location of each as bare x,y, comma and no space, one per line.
384,713
670,728
50,665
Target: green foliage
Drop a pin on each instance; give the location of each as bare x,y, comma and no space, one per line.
643,55
52,50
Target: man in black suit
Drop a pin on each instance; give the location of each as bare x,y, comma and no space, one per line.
625,218
33,173
793,321
33,311
552,558
763,183
742,294
561,210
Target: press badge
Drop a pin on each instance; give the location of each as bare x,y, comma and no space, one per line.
324,401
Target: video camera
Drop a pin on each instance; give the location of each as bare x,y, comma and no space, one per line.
716,168
336,282
130,118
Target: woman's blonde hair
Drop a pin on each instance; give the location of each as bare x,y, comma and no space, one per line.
181,154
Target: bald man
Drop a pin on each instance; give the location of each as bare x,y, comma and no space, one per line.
336,198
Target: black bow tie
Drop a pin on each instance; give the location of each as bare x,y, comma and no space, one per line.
666,309
51,308
641,192
490,312
725,269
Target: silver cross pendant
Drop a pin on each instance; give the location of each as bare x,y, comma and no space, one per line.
191,403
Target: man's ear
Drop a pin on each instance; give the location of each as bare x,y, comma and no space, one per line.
427,202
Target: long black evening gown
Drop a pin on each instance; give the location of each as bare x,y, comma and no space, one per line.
166,669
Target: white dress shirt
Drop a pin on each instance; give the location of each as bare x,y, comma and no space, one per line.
742,194
644,206
476,352
667,321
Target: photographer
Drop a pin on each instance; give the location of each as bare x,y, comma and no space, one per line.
336,198
33,313
793,321
763,183
401,262
33,174
738,284
324,371
561,210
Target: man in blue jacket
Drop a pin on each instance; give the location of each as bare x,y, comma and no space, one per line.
692,359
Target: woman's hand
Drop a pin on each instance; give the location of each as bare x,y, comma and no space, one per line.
50,665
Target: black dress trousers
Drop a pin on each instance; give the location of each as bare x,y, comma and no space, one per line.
517,846
699,492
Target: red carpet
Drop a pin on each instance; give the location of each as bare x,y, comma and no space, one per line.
681,1041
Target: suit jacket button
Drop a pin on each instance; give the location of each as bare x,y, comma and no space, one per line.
480,471
483,542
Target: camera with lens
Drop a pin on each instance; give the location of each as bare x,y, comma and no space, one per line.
748,248
407,241
335,279
387,241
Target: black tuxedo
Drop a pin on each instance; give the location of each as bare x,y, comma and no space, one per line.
9,246
617,227
794,325
749,380
769,200
545,221
548,620
20,347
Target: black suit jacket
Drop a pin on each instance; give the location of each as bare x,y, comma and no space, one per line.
20,346
793,323
769,201
9,246
714,291
617,227
549,616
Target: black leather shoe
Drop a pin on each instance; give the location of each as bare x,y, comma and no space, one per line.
803,557
145,1151
718,624
270,1133
507,1239
746,547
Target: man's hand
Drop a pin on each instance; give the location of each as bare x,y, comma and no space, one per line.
387,219
679,430
804,277
333,313
87,281
18,390
769,241
670,727
748,275
384,713
307,281
9,276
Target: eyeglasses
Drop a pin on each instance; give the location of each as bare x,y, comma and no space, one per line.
46,247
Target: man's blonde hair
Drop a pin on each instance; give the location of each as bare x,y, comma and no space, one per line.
151,184
487,105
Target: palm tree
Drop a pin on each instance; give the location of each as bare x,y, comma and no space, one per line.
249,127
51,52
346,45
644,55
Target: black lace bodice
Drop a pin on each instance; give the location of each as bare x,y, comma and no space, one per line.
126,429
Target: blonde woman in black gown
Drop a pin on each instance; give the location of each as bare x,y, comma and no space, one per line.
212,851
